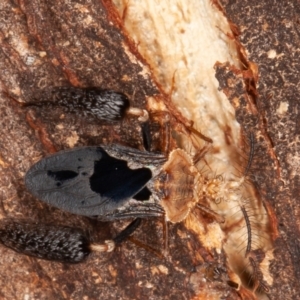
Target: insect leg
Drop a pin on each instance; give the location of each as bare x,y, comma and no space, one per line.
125,233
165,235
135,210
147,139
49,242
157,133
103,104
146,247
212,213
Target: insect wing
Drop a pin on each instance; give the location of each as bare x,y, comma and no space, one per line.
85,181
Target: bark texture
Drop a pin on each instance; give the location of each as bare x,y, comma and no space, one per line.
269,36
83,44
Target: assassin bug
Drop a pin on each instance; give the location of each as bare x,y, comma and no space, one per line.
114,182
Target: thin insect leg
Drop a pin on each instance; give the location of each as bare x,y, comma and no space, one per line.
207,210
200,135
156,132
146,247
147,139
250,279
200,154
188,127
165,235
125,233
256,273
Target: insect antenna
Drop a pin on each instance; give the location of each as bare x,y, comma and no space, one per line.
255,225
47,242
249,231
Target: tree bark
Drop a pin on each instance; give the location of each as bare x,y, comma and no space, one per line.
84,44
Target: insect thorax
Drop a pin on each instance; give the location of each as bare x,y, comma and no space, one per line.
175,186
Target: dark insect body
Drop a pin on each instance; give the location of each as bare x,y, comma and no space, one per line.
116,182
108,182
107,105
